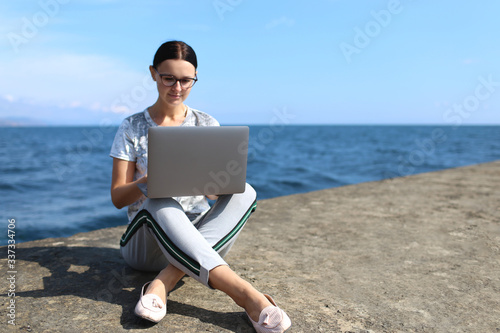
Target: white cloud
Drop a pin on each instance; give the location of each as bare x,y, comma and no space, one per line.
280,21
73,80
9,98
469,61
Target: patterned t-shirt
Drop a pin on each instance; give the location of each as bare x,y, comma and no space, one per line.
131,144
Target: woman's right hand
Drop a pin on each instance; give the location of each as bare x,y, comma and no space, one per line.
124,190
142,179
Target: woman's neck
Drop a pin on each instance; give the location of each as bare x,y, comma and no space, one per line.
168,116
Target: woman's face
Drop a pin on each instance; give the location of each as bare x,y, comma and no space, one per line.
180,69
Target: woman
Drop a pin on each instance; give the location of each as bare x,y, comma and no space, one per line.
178,236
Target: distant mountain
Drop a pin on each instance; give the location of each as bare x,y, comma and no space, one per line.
20,122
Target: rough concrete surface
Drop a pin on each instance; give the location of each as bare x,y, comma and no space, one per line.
411,254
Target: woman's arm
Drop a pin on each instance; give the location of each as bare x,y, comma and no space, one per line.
124,190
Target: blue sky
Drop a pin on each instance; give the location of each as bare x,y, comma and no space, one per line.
321,62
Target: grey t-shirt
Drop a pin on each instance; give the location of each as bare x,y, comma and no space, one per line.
131,144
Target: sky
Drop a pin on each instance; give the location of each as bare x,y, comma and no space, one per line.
69,62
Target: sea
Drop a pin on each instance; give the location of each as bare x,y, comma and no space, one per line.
55,181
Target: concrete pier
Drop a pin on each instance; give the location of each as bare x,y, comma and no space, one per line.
412,254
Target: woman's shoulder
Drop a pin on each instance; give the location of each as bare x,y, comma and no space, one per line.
203,119
134,125
136,118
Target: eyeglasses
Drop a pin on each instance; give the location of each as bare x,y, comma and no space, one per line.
170,80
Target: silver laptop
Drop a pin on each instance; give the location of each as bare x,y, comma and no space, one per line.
186,161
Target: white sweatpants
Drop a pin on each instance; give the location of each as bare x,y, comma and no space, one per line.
162,234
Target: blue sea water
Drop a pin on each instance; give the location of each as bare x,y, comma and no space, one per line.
55,181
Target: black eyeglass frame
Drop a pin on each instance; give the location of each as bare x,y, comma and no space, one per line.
194,79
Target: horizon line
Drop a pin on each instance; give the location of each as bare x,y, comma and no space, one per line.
20,125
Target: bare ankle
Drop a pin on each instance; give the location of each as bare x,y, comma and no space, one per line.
256,304
158,288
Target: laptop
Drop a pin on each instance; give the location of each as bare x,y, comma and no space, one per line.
195,160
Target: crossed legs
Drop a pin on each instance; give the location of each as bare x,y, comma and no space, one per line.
221,278
162,237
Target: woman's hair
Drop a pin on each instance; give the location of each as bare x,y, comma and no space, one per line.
175,50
